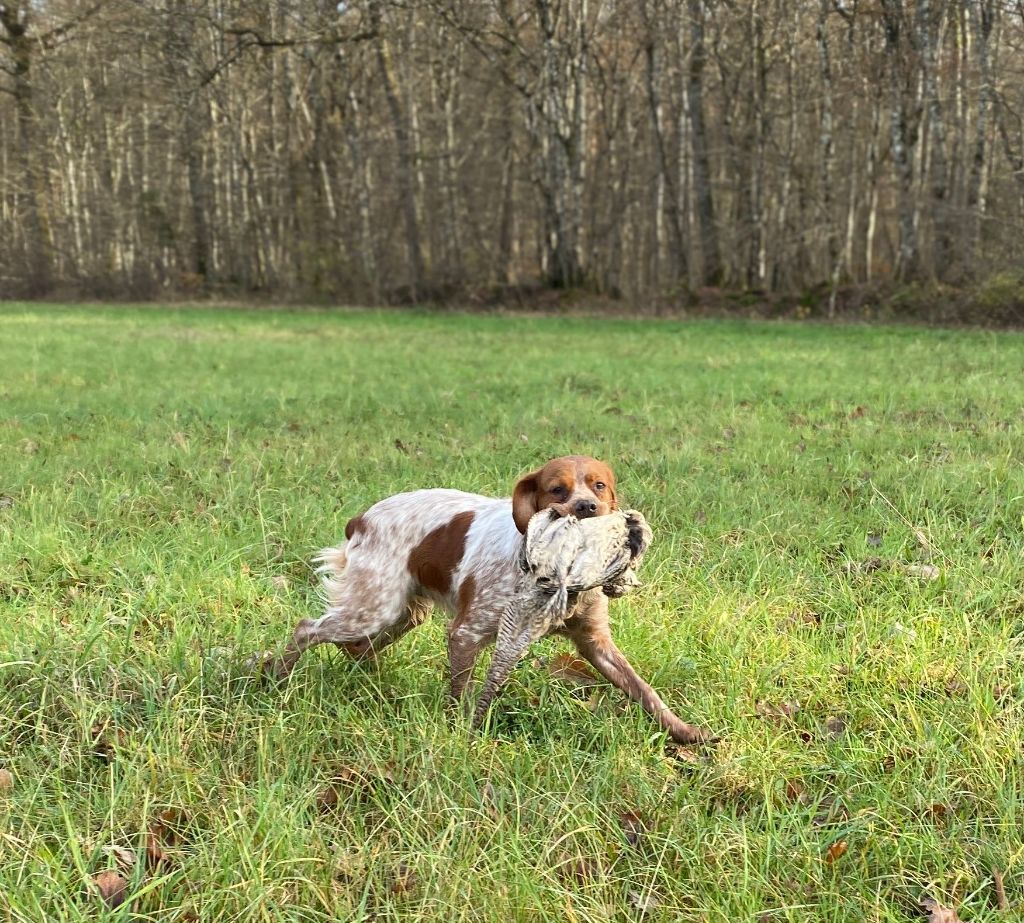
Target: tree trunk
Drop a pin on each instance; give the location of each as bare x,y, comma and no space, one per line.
405,161
666,175
711,259
902,140
33,186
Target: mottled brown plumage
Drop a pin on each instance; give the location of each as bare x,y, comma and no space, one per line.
561,557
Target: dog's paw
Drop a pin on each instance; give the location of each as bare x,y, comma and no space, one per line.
692,734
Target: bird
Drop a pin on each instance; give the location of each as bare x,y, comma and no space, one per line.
561,556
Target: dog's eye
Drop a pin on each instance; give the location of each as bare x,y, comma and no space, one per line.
558,491
600,485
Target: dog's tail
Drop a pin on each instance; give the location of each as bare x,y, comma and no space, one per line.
332,563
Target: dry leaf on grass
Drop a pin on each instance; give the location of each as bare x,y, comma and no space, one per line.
110,888
350,781
997,882
644,901
106,740
6,780
776,713
836,851
795,791
403,880
123,856
576,869
835,726
634,826
924,571
572,670
685,754
937,913
167,831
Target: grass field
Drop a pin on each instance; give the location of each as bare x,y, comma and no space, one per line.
835,588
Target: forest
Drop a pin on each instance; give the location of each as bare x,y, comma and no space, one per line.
653,152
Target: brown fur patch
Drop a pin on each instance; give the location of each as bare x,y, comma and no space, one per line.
355,525
433,561
467,592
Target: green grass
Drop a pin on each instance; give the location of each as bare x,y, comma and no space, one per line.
165,477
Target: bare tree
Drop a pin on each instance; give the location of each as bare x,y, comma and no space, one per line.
390,150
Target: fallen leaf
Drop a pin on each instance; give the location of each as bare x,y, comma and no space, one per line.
167,830
857,412
110,888
938,810
644,901
798,618
795,791
937,913
6,780
634,826
682,753
572,670
835,726
491,799
830,811
123,856
836,851
997,882
924,571
106,740
776,713
404,879
350,781
956,688
578,869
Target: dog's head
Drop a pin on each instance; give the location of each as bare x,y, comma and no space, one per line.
574,485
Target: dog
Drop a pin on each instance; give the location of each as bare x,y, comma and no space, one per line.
460,551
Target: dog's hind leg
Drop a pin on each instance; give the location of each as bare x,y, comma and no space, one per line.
366,649
364,615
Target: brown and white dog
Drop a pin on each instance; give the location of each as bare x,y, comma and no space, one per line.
459,551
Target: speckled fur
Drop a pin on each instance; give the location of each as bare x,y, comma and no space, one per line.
372,596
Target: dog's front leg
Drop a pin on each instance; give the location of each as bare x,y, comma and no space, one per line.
593,640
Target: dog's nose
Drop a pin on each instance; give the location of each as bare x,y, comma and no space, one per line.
585,508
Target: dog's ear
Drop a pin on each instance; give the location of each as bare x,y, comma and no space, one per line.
524,500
